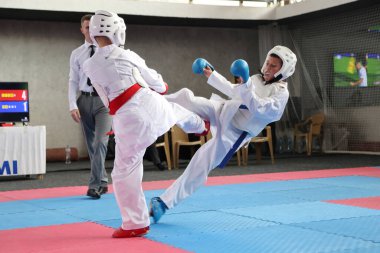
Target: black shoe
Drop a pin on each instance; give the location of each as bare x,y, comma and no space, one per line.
161,167
103,189
93,193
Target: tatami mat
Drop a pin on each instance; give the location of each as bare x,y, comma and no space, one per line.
335,211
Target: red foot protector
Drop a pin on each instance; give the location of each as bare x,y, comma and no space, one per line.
205,132
121,233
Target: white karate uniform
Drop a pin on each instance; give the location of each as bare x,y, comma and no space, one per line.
265,104
137,124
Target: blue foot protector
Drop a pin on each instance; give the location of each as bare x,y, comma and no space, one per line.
157,208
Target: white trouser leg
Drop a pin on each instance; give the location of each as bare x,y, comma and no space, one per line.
133,125
207,157
199,105
126,179
188,121
204,160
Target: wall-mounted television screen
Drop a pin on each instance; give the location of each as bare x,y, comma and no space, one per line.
373,69
14,102
346,72
344,69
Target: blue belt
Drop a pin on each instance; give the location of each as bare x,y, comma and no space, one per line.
233,150
235,146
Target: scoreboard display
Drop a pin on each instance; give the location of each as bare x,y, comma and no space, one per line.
14,102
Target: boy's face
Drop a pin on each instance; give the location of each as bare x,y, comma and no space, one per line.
85,29
271,67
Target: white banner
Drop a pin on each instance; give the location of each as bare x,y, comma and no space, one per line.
22,150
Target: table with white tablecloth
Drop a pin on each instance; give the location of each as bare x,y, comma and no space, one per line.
22,150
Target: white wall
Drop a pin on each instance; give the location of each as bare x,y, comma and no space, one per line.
182,10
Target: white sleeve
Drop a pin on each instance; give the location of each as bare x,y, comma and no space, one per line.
74,78
137,75
220,83
151,77
271,107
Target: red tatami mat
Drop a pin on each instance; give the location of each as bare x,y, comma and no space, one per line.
241,179
5,198
156,185
42,193
372,202
293,175
57,192
78,237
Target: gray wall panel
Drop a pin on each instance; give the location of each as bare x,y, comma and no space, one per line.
39,52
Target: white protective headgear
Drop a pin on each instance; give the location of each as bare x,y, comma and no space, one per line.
289,60
109,24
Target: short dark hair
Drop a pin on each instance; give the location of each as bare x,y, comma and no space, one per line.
85,17
278,57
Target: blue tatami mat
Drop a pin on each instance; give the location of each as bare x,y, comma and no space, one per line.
372,183
332,192
375,249
243,199
13,207
72,202
35,218
303,212
55,211
200,222
261,187
267,239
366,228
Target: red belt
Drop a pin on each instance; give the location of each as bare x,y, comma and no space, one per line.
123,98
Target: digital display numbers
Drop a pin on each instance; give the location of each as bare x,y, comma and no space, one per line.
14,102
14,95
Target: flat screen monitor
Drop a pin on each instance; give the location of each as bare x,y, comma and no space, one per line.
373,69
345,70
14,102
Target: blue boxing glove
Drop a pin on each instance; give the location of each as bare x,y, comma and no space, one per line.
240,68
200,64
